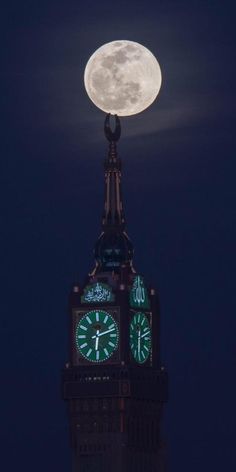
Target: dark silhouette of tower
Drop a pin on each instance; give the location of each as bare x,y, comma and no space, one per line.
114,383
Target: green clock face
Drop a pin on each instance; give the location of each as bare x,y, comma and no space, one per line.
140,337
97,336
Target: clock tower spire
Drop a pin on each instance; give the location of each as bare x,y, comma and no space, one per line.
114,383
113,247
113,209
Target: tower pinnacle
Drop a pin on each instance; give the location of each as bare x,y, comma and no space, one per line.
113,247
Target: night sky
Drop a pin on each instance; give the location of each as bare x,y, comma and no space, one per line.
179,191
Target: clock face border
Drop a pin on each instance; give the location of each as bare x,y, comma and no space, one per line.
78,315
97,336
147,316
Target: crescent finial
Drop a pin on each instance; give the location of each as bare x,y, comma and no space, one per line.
112,136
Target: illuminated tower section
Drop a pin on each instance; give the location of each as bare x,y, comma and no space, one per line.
114,384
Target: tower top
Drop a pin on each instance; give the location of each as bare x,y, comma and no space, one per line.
113,248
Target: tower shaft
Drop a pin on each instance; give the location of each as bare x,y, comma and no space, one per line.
113,215
114,384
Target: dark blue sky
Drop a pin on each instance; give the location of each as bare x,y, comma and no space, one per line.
179,188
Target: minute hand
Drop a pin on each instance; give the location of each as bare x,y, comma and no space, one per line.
145,334
104,332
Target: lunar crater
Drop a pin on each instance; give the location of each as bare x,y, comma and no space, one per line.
122,77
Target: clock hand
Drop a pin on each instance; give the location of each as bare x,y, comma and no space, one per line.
104,332
139,336
97,340
145,334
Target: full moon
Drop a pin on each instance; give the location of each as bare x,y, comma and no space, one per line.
122,78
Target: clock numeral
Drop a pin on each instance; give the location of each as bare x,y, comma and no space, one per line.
97,355
113,335
105,319
84,328
88,320
89,352
97,316
111,344
83,345
111,326
106,351
145,347
82,336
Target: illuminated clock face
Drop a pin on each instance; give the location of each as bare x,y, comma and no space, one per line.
97,336
140,337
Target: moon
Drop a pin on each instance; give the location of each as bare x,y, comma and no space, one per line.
122,78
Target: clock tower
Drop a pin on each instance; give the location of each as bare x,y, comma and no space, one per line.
114,383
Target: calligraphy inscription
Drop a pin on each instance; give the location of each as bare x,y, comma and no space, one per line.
138,294
97,293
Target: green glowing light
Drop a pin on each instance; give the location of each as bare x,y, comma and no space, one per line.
138,294
140,337
97,336
97,293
